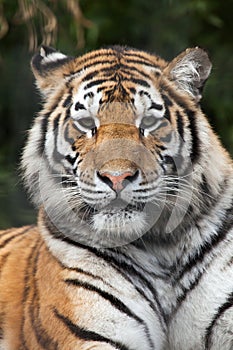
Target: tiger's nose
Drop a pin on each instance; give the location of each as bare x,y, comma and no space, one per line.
118,181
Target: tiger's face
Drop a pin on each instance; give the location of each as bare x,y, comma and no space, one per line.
115,145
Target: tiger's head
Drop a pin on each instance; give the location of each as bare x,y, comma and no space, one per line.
112,153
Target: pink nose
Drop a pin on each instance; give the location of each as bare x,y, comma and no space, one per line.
117,182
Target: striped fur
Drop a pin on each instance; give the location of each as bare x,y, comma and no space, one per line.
133,248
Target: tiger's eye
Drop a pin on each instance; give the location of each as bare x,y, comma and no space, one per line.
87,123
148,122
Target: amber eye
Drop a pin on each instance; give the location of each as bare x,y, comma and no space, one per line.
148,122
87,123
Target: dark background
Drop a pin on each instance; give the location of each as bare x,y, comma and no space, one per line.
165,27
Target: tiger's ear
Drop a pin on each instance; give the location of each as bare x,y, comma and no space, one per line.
49,66
190,70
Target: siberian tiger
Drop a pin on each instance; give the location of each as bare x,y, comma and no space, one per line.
133,249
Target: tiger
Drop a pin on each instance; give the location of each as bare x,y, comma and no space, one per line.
133,247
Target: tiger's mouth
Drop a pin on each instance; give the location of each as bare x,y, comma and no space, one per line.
119,205
116,206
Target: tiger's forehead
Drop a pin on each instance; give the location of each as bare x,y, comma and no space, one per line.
116,85
117,58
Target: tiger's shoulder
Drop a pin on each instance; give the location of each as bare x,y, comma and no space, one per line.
15,236
16,246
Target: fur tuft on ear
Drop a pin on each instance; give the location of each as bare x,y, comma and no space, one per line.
47,68
190,70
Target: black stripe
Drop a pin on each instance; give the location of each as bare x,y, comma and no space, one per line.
171,162
57,156
93,62
131,52
26,290
186,291
131,79
168,103
43,132
92,65
180,124
137,58
67,116
167,114
1,329
94,82
126,269
79,106
209,330
56,121
92,74
4,259
114,301
162,148
70,159
215,239
17,234
167,100
138,289
89,94
87,335
67,183
195,151
126,277
206,191
41,335
67,102
205,206
111,69
138,81
133,91
86,273
201,253
156,106
45,121
129,69
141,62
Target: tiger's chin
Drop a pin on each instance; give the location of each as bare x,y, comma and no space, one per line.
119,227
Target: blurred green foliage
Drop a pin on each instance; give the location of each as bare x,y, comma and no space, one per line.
165,27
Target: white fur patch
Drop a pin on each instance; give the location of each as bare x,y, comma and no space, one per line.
185,73
52,57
